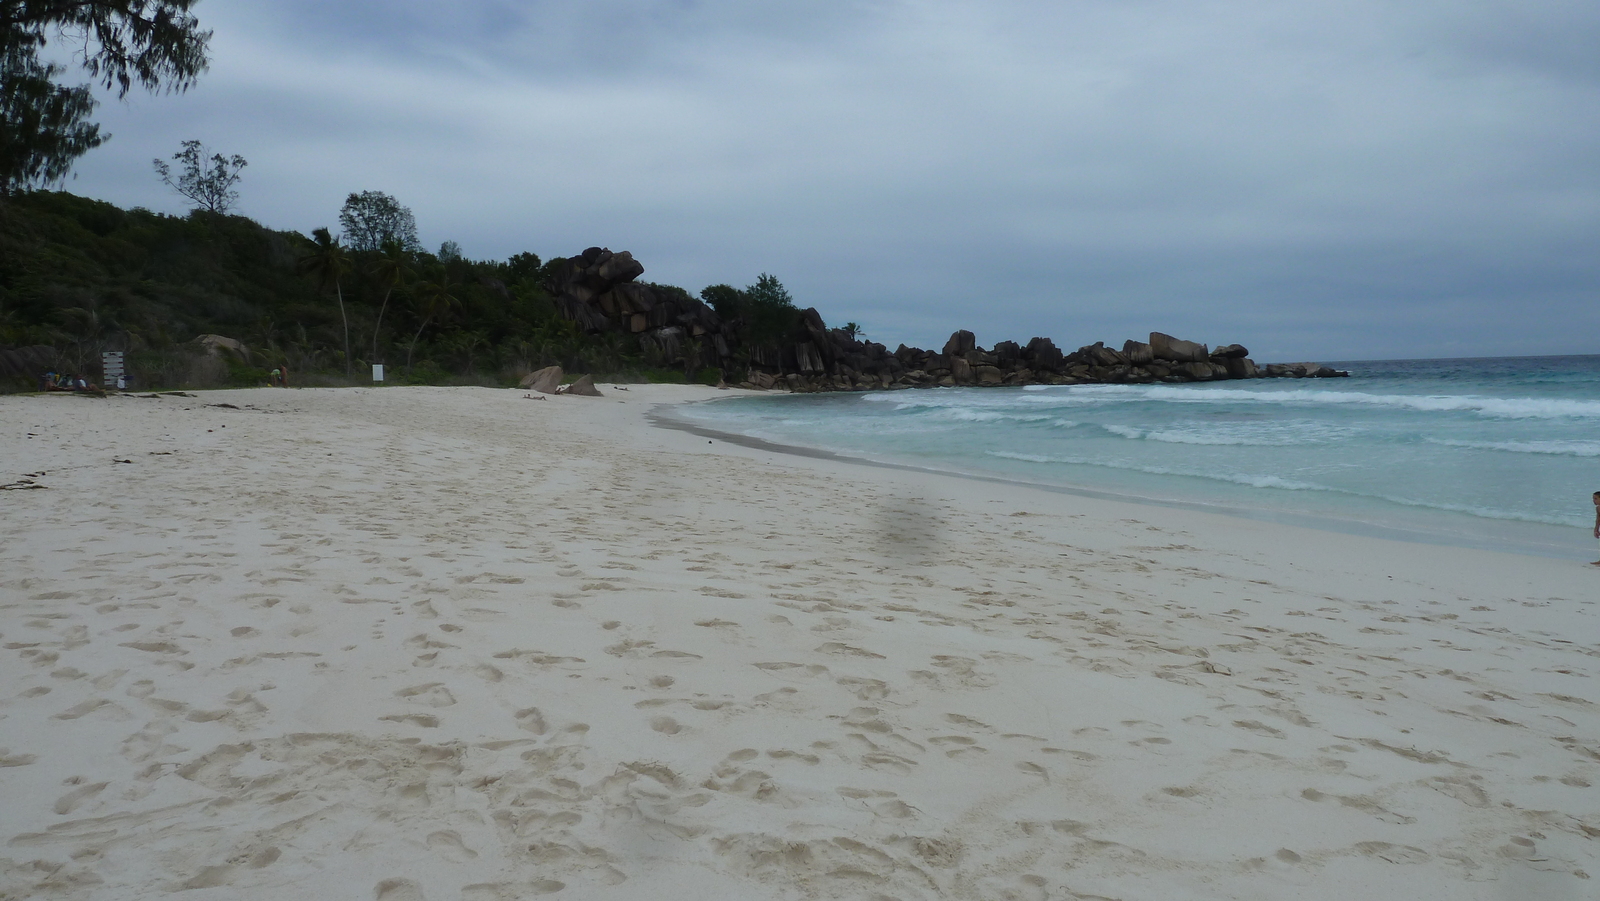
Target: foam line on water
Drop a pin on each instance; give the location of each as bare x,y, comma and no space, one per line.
1253,481
1553,448
1279,434
1492,407
1277,482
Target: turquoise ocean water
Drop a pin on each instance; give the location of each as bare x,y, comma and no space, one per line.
1501,453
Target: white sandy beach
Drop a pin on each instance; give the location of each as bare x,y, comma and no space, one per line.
430,643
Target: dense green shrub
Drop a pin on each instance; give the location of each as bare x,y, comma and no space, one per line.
85,276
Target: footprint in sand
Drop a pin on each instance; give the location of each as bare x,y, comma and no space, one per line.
1033,769
1400,854
1460,789
448,844
70,801
85,708
734,780
875,756
9,759
894,810
777,696
865,689
957,746
147,742
841,649
398,890
1364,804
508,891
1257,726
417,719
531,720
433,694
785,670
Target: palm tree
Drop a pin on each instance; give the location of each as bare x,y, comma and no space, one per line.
327,262
433,299
391,269
852,331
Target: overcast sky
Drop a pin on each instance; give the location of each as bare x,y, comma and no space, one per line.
1315,180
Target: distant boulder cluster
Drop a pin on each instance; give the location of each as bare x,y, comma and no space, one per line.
830,360
598,290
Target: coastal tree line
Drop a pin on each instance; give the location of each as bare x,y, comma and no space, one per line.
82,276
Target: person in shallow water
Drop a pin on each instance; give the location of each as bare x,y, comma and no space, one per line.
1596,521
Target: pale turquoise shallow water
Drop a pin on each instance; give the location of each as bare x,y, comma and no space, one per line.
1501,453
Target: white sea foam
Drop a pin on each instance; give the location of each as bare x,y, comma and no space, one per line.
1484,512
1028,458
1272,481
1279,434
1495,407
1555,448
1211,439
1254,480
963,414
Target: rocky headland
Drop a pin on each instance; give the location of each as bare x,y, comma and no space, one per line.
599,291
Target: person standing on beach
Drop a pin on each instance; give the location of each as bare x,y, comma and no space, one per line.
1596,521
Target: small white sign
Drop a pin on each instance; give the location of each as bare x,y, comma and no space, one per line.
112,373
377,372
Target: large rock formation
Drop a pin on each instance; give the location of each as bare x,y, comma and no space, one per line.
210,358
598,290
822,359
544,381
1301,371
217,344
1166,347
583,386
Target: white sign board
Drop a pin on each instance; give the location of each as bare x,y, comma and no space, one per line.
377,372
112,373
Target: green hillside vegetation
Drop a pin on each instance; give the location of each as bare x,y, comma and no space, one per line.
83,276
